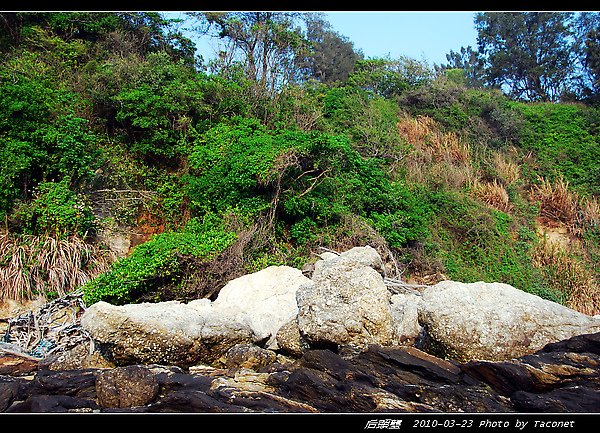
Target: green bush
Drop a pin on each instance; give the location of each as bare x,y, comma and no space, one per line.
56,211
477,243
44,139
564,143
156,263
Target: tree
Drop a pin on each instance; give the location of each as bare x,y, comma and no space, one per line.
332,57
530,54
149,31
469,62
587,43
389,77
268,45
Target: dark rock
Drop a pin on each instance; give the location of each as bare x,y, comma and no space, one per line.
11,389
53,404
192,402
585,343
570,399
126,387
77,383
562,377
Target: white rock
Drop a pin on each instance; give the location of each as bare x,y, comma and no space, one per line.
266,299
164,333
405,313
495,321
346,303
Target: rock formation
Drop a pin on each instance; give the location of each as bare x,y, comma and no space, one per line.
562,377
340,341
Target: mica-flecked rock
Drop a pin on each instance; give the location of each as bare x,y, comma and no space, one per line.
494,321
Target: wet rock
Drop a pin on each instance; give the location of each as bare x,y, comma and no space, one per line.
562,377
53,404
11,389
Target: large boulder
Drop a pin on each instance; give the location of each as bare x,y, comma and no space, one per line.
169,333
494,321
347,302
266,299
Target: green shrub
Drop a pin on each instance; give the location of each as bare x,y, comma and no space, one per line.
156,263
477,243
44,139
564,143
55,211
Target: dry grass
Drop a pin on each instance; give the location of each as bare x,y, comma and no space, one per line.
559,203
591,211
508,170
493,194
440,157
431,143
568,275
43,266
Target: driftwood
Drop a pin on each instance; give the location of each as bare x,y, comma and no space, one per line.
54,327
399,286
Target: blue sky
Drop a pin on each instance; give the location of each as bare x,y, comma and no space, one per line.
425,36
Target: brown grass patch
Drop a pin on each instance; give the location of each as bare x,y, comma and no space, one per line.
432,144
493,194
558,202
568,275
33,266
508,170
439,157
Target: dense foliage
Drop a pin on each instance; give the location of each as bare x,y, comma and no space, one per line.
108,125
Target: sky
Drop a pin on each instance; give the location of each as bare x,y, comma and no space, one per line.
424,36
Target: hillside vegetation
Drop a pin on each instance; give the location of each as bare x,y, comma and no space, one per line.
109,128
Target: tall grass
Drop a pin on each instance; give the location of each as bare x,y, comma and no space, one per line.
569,276
507,169
438,156
560,203
493,194
45,266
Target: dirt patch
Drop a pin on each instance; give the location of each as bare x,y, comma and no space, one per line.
555,232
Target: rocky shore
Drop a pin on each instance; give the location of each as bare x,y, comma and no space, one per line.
344,339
